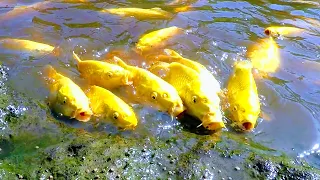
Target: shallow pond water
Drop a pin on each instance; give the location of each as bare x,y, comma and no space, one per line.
218,34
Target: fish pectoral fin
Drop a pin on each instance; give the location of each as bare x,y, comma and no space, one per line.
265,116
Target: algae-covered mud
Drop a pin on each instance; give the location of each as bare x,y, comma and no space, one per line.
37,144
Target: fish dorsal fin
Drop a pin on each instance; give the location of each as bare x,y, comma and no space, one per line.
172,53
76,57
120,62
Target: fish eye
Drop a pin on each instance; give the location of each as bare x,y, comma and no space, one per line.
115,115
109,74
194,99
234,108
154,95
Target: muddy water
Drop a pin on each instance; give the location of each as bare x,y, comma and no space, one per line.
219,33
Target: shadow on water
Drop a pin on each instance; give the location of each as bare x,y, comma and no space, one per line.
6,147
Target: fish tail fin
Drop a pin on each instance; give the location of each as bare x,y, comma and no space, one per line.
120,62
49,71
76,57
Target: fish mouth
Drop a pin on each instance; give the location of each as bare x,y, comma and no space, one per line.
211,122
128,127
82,115
247,126
176,110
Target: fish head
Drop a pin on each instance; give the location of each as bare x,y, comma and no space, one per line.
124,118
271,31
244,117
165,97
71,106
206,107
117,75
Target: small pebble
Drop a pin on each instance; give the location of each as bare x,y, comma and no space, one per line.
117,176
95,170
97,177
37,147
20,176
103,171
237,168
219,171
111,170
50,177
144,150
164,168
87,171
229,178
83,158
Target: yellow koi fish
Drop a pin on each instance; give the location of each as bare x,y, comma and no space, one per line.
141,14
151,90
265,55
276,31
170,55
66,97
198,96
102,73
25,45
156,39
107,105
242,96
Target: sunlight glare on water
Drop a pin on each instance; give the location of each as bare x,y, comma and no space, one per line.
218,33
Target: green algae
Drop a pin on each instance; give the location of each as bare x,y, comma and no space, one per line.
40,146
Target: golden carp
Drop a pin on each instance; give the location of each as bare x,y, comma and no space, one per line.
152,90
242,96
102,73
265,55
156,39
170,55
276,31
24,10
26,45
141,14
108,106
66,97
198,96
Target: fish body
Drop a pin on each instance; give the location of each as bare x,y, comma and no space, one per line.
172,56
152,90
140,13
66,97
276,31
156,39
265,55
242,96
27,45
198,96
108,106
102,74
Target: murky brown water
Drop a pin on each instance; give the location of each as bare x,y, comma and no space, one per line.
219,32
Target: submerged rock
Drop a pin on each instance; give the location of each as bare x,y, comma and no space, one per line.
70,150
